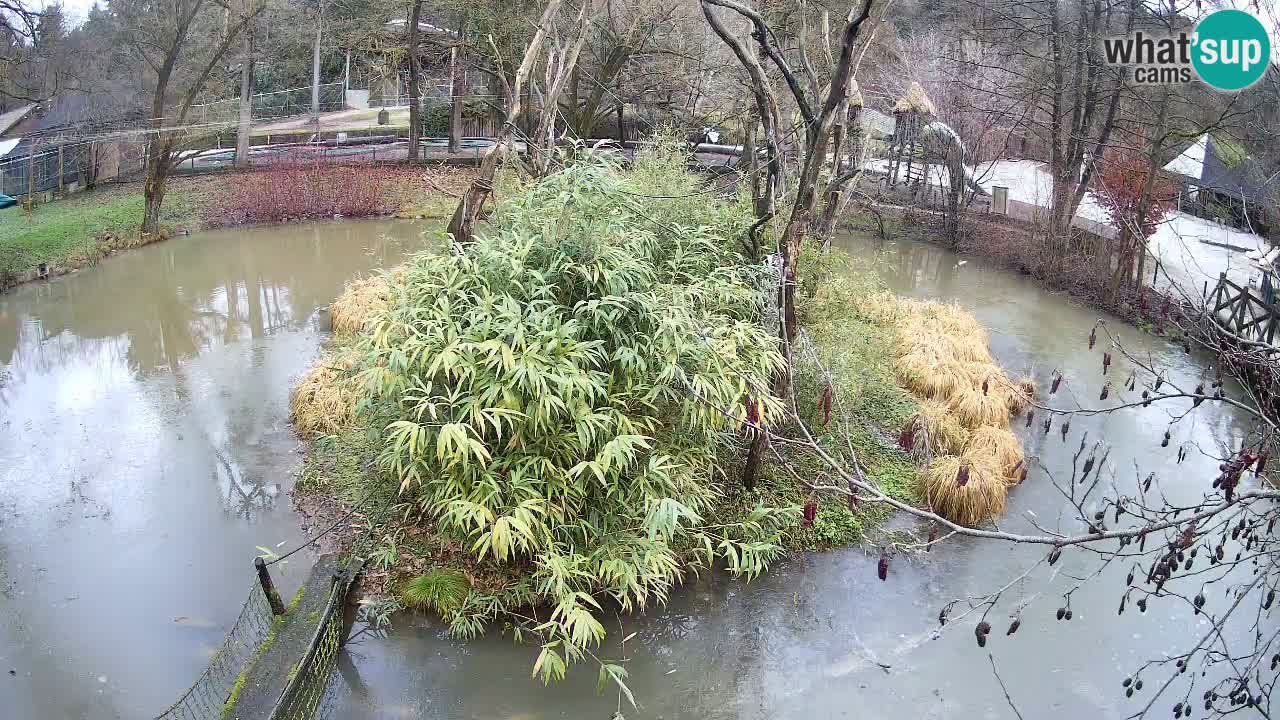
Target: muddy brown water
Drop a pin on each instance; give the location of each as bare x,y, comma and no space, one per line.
820,636
145,454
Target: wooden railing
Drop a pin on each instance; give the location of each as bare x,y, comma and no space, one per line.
1243,312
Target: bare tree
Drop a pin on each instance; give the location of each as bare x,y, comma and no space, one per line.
462,224
180,45
819,107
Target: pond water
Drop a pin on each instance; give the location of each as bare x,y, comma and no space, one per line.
820,636
145,453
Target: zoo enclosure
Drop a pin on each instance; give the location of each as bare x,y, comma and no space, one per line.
269,106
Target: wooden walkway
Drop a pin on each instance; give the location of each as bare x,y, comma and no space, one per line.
1243,312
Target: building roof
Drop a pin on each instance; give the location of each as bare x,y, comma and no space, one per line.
1190,163
13,117
877,123
1225,168
915,100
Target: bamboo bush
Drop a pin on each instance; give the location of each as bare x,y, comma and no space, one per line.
562,393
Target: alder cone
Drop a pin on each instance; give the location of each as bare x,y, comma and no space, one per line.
981,632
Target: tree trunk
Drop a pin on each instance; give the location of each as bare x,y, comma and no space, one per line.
1124,264
315,74
1141,250
462,224
544,156
153,189
246,104
415,119
457,90
833,196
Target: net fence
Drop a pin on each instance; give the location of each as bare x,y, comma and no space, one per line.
308,685
207,697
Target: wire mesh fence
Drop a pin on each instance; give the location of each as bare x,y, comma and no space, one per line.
308,685
51,169
278,104
207,697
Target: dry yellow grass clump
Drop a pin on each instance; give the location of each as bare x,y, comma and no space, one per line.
359,302
1000,446
934,431
965,490
943,358
324,401
915,100
930,374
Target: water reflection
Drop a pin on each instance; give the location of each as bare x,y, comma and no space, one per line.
820,636
145,453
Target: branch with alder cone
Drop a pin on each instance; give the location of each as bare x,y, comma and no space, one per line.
1216,553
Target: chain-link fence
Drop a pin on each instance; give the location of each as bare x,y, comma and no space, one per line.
309,682
206,699
266,106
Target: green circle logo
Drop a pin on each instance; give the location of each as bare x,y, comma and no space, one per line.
1232,49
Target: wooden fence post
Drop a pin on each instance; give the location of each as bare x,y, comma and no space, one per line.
62,178
268,587
31,174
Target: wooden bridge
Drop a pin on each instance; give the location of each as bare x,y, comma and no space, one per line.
1243,312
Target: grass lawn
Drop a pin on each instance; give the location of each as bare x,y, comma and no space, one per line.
72,231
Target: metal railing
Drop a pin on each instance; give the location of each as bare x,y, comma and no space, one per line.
207,697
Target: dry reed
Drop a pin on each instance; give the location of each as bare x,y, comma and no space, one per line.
362,299
969,498
1001,447
324,401
942,357
935,432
